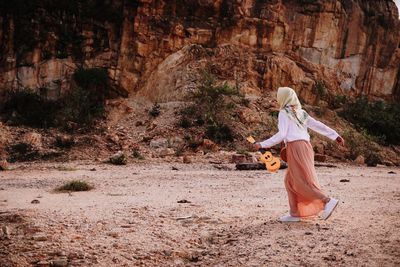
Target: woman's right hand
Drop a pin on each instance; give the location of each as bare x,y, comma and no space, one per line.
340,140
257,146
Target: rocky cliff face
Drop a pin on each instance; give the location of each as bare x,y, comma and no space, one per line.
155,48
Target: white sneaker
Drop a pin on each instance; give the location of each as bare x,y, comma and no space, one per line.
289,218
329,208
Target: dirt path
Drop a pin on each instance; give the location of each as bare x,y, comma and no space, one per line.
132,217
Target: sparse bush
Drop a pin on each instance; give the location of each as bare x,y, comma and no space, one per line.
184,122
75,185
137,155
220,133
212,106
378,118
82,104
24,107
192,142
360,144
372,160
338,101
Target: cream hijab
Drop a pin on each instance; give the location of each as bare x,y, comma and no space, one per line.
289,102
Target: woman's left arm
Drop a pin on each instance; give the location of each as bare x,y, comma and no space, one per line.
321,128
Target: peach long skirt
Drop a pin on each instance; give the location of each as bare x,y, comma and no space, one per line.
304,192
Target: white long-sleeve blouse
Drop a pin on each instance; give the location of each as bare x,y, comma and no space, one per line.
289,131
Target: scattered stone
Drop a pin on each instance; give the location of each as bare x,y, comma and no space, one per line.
4,166
360,160
325,165
40,238
344,180
250,166
159,143
388,163
167,253
349,253
35,201
5,232
33,139
59,263
183,201
65,141
187,159
113,234
329,258
319,148
164,152
392,172
43,264
209,145
308,233
239,158
184,217
174,168
93,169
118,158
176,142
127,226
320,157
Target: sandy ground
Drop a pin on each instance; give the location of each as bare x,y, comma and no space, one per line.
133,218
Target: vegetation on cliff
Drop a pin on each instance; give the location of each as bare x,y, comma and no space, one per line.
81,105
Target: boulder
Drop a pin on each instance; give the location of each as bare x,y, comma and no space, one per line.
360,160
159,143
118,158
320,157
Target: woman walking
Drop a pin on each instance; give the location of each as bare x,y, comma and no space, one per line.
304,192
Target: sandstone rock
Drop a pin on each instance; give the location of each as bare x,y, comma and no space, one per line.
176,142
43,264
5,232
159,143
320,157
151,57
35,201
118,158
187,159
40,237
319,148
33,139
248,115
59,262
4,165
164,152
242,158
360,160
65,141
209,145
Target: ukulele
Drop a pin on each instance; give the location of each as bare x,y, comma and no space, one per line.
271,163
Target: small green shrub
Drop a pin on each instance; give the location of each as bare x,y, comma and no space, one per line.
75,185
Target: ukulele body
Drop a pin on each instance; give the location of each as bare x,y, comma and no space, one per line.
271,163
